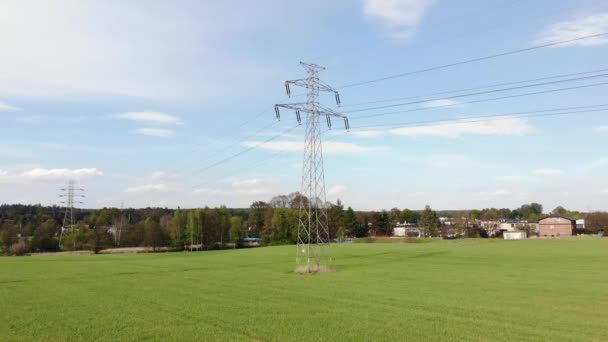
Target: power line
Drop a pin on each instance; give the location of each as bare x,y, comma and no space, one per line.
477,88
444,66
413,124
222,161
483,100
561,111
480,93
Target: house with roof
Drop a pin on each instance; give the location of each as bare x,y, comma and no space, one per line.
554,226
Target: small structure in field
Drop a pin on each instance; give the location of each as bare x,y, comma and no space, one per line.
556,226
515,235
406,230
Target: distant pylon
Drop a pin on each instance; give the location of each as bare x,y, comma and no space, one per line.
69,193
312,253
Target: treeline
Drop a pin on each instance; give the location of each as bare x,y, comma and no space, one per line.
35,228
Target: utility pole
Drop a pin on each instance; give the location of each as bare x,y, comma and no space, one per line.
312,253
69,193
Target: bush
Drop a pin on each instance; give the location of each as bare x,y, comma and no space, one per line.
19,248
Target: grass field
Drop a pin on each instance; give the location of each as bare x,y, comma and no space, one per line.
482,290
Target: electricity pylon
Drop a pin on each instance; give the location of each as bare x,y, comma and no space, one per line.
68,194
313,232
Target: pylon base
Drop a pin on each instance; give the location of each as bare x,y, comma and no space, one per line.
314,269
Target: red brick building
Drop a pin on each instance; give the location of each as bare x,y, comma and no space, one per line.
556,226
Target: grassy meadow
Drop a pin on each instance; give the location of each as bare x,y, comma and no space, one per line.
480,290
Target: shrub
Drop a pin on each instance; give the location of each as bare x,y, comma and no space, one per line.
19,248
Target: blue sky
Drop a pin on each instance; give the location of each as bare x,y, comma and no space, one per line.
136,99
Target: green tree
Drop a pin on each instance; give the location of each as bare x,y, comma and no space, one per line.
351,224
153,234
178,229
236,224
410,216
429,222
44,239
256,218
336,218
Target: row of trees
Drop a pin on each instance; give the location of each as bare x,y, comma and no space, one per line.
26,228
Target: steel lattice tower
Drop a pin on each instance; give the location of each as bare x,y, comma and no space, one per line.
312,253
69,193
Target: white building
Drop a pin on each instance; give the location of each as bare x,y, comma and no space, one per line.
515,235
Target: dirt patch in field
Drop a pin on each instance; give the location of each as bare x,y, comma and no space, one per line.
133,250
62,253
315,269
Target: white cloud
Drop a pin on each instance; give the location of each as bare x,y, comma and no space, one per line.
336,191
602,128
3,173
601,162
147,188
71,47
160,176
400,17
547,172
580,27
151,117
501,126
605,191
240,187
452,161
248,182
443,103
366,133
296,146
5,106
154,132
510,178
45,174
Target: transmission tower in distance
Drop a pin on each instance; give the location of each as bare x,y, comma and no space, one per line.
312,253
70,195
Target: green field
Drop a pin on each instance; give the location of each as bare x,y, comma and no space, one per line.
487,290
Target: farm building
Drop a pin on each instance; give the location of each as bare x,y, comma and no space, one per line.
515,235
406,230
556,226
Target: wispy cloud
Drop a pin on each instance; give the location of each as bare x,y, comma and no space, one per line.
601,162
443,103
6,107
452,161
400,17
511,178
296,146
498,127
547,172
154,132
602,128
147,188
149,117
336,191
580,27
54,174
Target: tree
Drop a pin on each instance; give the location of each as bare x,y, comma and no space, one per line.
178,230
336,218
153,234
256,218
9,237
596,222
410,216
44,237
381,223
236,224
429,222
351,224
